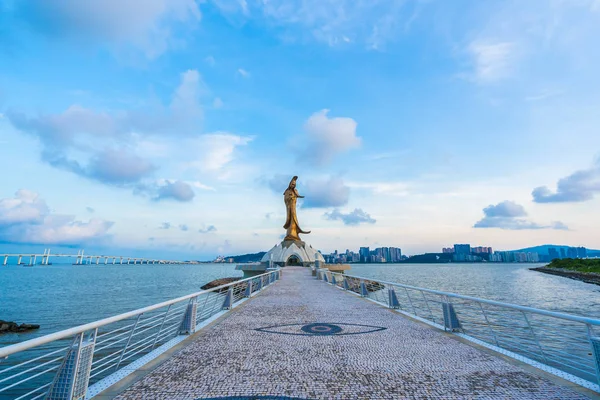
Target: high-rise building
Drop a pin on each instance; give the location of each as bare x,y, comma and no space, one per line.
448,250
395,254
364,255
562,253
462,249
581,252
572,252
553,253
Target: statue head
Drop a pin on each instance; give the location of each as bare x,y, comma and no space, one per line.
292,184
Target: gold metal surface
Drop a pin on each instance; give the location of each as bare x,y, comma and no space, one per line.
291,223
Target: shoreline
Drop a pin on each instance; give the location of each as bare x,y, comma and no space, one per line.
578,276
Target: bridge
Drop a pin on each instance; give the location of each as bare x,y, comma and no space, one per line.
80,259
289,334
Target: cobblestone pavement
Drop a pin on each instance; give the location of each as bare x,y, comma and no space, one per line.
407,360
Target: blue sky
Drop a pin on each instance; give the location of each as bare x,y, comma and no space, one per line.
173,126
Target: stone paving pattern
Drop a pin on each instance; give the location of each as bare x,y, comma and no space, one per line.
405,361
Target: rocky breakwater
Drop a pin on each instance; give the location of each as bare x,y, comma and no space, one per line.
587,277
13,327
586,270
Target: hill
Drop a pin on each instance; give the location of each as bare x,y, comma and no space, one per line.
246,258
543,249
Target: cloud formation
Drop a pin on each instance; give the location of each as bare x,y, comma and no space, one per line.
26,219
579,186
321,193
510,216
165,225
184,227
146,25
491,61
71,140
356,217
218,149
208,229
178,190
327,137
371,24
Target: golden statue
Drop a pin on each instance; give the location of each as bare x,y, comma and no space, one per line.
291,223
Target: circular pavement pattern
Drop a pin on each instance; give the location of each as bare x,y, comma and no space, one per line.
321,329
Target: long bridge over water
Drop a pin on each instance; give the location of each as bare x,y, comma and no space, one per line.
80,259
286,335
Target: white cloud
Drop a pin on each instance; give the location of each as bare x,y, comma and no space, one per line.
25,207
356,217
510,215
26,218
216,150
371,23
327,137
115,147
321,193
492,61
143,24
178,190
243,72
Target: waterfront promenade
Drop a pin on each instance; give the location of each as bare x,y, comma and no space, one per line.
269,347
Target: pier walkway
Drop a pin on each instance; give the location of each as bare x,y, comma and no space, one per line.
276,346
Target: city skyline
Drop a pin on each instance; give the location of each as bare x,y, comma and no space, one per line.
174,131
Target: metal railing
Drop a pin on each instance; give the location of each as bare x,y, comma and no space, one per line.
80,362
563,344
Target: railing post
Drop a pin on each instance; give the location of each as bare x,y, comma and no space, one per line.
333,281
72,378
260,284
161,326
228,300
248,292
345,281
595,343
451,321
363,289
188,324
393,299
535,338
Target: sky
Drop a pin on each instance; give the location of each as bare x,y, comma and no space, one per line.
172,127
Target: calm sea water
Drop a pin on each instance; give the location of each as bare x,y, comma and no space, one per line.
63,296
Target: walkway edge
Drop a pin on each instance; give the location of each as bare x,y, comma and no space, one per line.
104,385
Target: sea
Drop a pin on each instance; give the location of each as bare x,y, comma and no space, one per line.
62,296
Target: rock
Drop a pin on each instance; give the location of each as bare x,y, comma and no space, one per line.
219,282
13,327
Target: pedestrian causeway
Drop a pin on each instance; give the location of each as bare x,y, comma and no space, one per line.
304,339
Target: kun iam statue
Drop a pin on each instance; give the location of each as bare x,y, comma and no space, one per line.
291,223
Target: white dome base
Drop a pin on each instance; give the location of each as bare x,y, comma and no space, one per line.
293,252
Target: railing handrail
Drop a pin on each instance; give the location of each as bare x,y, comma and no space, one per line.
569,317
28,344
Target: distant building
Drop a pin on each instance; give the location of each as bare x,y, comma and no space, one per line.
448,250
462,252
364,255
572,252
553,253
581,252
462,249
562,253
